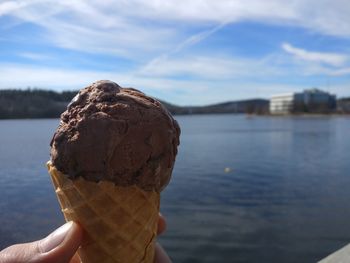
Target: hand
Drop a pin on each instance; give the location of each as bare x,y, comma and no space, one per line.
58,247
61,246
160,256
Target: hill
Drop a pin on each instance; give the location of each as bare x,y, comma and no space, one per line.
33,103
36,103
256,106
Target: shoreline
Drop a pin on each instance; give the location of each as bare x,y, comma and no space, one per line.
248,115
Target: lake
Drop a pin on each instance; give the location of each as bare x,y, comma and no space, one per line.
244,189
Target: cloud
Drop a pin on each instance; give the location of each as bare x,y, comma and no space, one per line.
322,70
155,37
178,91
327,16
138,28
210,67
85,26
312,63
187,75
43,77
34,56
173,90
340,72
207,10
10,6
332,59
60,78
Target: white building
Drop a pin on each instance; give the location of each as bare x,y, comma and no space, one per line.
282,103
312,101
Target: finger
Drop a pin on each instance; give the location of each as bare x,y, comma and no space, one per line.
65,251
58,247
161,256
75,259
161,224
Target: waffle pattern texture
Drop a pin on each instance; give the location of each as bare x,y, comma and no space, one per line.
120,223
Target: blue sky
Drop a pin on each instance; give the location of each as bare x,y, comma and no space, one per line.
185,52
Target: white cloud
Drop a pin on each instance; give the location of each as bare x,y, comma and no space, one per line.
155,34
321,70
139,28
34,56
314,63
210,67
207,10
327,16
10,6
68,79
177,91
332,59
340,72
85,26
58,78
43,77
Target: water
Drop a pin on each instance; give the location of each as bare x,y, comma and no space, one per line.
283,198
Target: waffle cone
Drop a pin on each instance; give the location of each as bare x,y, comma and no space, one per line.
120,223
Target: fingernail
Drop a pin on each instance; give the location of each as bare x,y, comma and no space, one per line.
55,238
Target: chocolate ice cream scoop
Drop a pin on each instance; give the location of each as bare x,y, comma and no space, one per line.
116,134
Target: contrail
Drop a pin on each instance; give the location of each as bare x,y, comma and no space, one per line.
190,41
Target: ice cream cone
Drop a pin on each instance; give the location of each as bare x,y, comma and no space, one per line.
120,222
111,156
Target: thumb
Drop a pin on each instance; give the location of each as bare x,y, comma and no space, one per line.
58,247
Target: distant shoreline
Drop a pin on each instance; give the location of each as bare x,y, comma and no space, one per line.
206,114
46,104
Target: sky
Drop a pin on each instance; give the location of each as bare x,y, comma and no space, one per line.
185,52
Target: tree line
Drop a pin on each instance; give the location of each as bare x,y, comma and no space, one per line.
39,103
33,103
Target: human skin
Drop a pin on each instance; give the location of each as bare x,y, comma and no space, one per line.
61,246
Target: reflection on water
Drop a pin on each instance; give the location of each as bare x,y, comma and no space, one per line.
285,198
